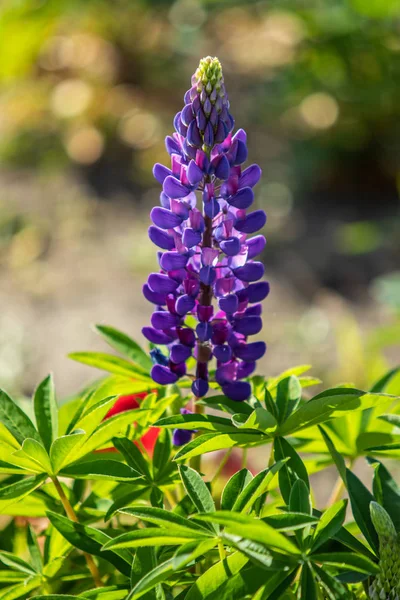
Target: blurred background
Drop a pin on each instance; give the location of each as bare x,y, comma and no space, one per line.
88,91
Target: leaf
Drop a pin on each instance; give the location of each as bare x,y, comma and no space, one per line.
280,584
288,396
289,521
34,550
292,469
196,489
17,490
333,589
125,499
329,524
153,536
62,448
125,345
16,563
161,454
164,518
101,469
347,560
255,488
308,588
225,403
272,383
90,540
196,421
259,420
11,576
210,442
252,529
209,583
32,456
257,553
46,411
337,457
299,500
132,455
387,493
234,487
360,498
112,364
331,404
21,589
15,420
91,418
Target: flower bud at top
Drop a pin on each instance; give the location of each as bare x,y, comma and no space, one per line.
382,521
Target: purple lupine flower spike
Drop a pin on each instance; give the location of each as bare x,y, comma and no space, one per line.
206,261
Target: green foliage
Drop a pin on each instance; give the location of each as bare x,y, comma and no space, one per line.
124,523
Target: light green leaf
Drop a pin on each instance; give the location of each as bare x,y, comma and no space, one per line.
161,454
196,489
209,583
329,524
210,442
125,345
112,364
132,455
11,576
347,560
260,420
153,536
288,396
101,469
21,589
34,550
91,418
255,488
300,500
164,518
15,420
62,448
46,411
292,469
289,521
17,490
196,421
16,563
234,487
33,457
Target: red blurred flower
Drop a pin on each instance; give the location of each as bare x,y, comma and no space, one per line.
130,402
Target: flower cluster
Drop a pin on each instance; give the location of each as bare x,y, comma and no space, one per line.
207,253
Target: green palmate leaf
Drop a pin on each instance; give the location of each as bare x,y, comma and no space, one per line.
234,487
20,488
46,411
57,597
252,529
197,421
290,521
126,499
21,589
336,456
270,404
210,442
255,488
110,592
347,560
276,588
112,364
62,449
260,420
162,453
308,587
329,524
91,540
196,489
333,589
125,345
331,404
101,469
34,551
272,383
292,469
145,561
224,403
91,418
288,396
132,455
387,492
15,420
154,536
16,563
165,519
383,382
32,456
258,554
210,583
299,499
360,498
391,419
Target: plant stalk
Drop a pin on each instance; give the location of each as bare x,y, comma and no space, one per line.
195,462
71,514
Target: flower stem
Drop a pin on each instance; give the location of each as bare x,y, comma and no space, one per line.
72,515
244,458
221,549
338,487
195,462
221,465
271,457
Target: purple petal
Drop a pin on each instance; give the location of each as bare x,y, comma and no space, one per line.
223,168
256,309
194,173
201,119
252,222
250,176
229,304
187,115
193,135
204,331
245,369
231,246
161,238
191,237
196,220
173,188
222,132
243,199
252,271
164,218
153,297
173,260
165,201
248,325
212,208
179,353
163,375
172,145
222,353
226,373
162,284
186,336
209,136
257,292
251,352
180,437
209,257
161,319
191,287
179,208
205,313
178,368
255,246
220,332
240,135
185,304
237,391
160,172
200,387
207,275
156,337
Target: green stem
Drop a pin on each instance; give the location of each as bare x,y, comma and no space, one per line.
221,550
221,465
72,515
244,458
195,462
271,457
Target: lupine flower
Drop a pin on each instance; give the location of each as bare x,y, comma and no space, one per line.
207,266
180,437
386,586
129,402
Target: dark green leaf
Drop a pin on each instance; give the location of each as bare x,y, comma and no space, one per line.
308,588
16,563
255,488
132,455
300,500
46,411
22,487
210,442
162,453
360,498
197,421
347,560
292,470
15,420
34,551
101,469
196,489
288,396
290,521
337,457
125,345
333,589
125,499
329,524
234,487
387,493
164,518
270,404
154,536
